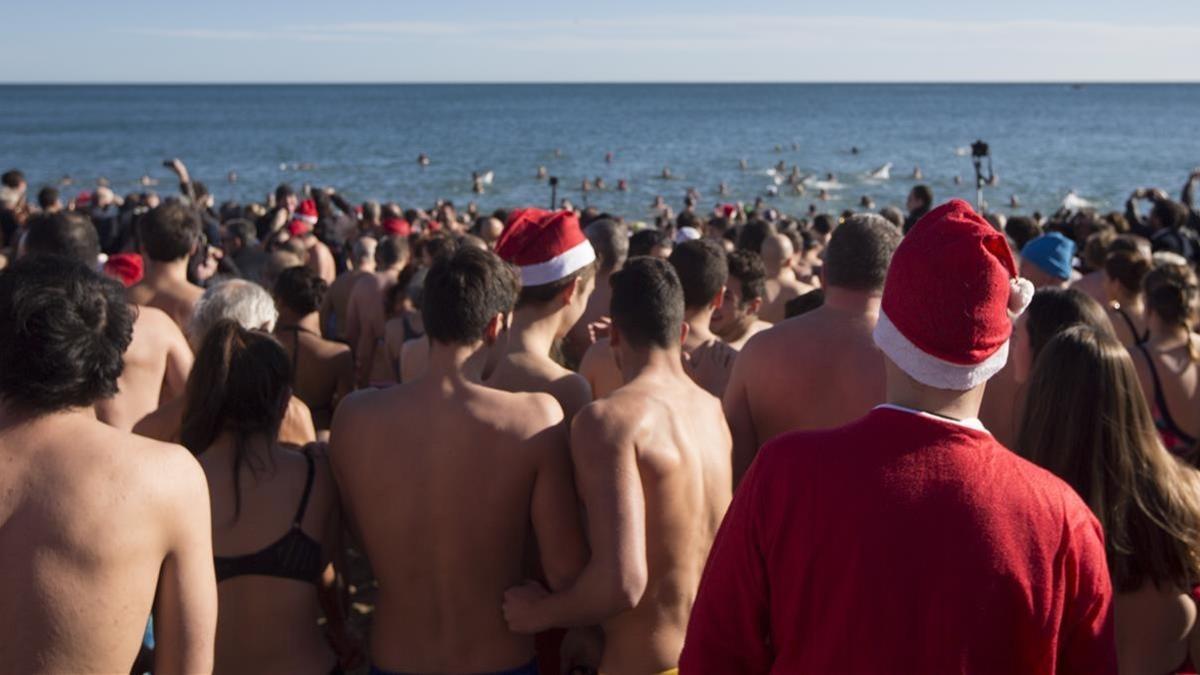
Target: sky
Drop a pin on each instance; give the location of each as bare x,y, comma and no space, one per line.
609,41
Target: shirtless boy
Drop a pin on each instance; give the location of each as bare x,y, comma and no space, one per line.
736,320
169,235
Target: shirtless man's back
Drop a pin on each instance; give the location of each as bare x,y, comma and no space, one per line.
818,370
169,234
781,283
157,364
96,525
441,477
365,317
653,471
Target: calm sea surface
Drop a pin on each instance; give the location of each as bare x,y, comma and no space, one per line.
1099,140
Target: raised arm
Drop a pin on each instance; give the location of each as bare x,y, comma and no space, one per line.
1131,208
610,487
1188,196
185,608
185,180
737,413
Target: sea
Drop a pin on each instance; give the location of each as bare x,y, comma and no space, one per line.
1097,141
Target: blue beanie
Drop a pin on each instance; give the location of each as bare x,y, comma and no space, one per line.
1052,252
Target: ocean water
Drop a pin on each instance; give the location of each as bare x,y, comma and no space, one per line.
1101,141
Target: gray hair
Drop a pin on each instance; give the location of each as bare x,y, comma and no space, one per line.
243,301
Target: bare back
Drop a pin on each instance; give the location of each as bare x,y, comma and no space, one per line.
323,371
437,477
92,521
682,449
157,364
535,373
815,371
1179,378
778,292
177,299
1153,629
337,301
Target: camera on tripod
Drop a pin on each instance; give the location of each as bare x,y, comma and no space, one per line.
980,152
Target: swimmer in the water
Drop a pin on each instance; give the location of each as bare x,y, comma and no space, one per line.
476,183
866,202
658,203
1014,202
542,173
795,146
666,173
823,195
622,185
599,183
423,159
233,177
781,166
958,180
147,181
722,189
608,158
854,150
798,189
558,152
917,175
743,164
778,148
586,186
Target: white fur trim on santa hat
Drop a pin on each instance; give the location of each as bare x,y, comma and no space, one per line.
311,220
930,370
559,266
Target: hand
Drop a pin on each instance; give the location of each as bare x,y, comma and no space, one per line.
710,366
520,607
1157,195
598,330
1139,193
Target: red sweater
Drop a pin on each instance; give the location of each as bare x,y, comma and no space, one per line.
902,543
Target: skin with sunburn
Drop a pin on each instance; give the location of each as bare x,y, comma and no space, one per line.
443,516
652,467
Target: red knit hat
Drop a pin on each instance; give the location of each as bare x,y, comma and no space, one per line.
399,226
304,218
952,291
124,267
546,246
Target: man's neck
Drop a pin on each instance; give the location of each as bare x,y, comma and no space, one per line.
309,322
780,273
699,323
737,330
12,416
652,360
456,363
1161,331
903,391
534,331
365,267
171,271
852,302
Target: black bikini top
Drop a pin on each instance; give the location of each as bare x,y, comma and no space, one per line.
295,555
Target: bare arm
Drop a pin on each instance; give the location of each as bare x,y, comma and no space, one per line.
345,379
179,362
737,413
185,609
613,581
555,509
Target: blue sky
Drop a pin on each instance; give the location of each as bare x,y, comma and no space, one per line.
615,40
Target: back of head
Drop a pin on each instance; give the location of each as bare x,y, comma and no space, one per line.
362,251
47,197
611,243
893,215
463,292
372,212
64,330
777,249
859,252
1128,268
12,179
169,232
300,290
390,251
66,234
1172,294
1022,230
439,246
923,194
753,235
702,270
277,262
647,303
240,383
1053,310
824,224
1169,213
1095,249
644,242
238,300
747,267
1110,453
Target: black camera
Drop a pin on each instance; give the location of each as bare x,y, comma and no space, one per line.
979,149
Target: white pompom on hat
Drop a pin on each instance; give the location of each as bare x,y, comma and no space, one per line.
951,294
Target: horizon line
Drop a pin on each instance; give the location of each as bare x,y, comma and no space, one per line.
352,83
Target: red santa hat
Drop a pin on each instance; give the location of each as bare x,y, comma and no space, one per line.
125,267
951,294
304,218
393,225
547,246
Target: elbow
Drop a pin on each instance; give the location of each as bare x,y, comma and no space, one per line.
628,589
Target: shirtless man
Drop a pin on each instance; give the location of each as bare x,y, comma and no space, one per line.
337,300
736,320
158,359
821,369
169,235
98,528
365,318
778,256
441,478
610,241
652,467
320,258
557,275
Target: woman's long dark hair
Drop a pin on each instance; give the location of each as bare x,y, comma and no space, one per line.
1086,419
240,383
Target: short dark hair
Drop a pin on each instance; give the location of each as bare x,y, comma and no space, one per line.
824,224
12,179
644,241
860,251
924,193
391,250
609,240
66,234
747,267
169,231
463,291
1022,230
47,196
283,192
543,293
300,290
242,229
753,234
65,329
439,246
702,270
1169,213
647,302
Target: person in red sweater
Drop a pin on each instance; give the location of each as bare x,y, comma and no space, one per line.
911,541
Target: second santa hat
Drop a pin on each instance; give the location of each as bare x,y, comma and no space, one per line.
545,245
952,290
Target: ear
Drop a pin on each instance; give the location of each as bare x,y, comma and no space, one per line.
568,292
755,305
719,299
494,327
683,332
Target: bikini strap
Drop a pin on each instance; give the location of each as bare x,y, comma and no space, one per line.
308,483
1160,399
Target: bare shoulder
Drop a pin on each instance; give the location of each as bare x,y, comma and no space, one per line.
526,413
167,470
609,420
154,321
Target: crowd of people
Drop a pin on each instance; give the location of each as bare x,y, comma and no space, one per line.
733,441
